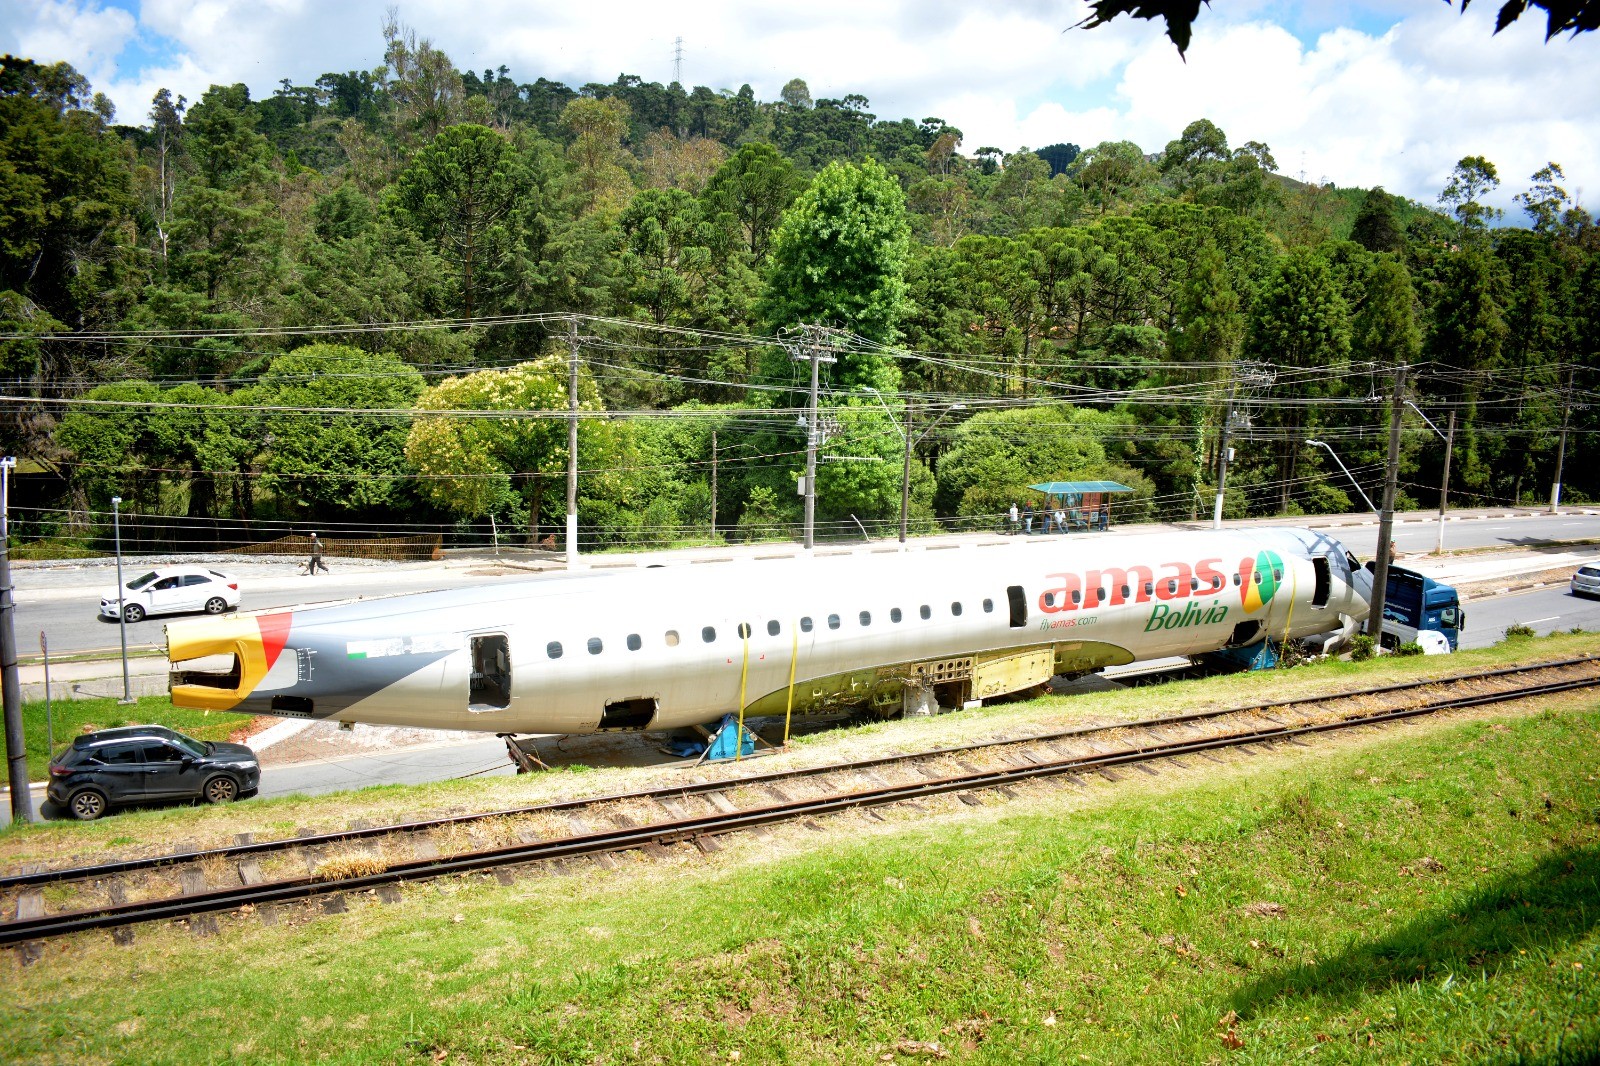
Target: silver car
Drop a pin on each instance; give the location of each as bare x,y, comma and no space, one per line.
1586,582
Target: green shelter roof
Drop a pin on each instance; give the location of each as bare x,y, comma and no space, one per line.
1061,488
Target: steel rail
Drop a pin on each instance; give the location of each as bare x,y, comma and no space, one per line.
235,851
689,829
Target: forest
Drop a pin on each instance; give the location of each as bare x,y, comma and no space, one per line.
356,306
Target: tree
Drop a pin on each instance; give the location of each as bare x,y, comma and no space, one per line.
459,192
839,257
1300,325
420,82
596,155
1473,177
1377,225
750,192
1110,171
480,466
1578,16
1546,202
339,461
796,95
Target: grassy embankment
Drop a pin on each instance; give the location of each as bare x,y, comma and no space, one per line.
1429,893
69,718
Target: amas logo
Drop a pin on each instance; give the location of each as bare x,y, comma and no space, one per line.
1257,577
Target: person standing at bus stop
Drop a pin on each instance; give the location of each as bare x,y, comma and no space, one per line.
316,558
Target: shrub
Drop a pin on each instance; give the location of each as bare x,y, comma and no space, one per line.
1362,647
1518,629
1410,647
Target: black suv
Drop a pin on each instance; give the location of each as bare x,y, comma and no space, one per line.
144,763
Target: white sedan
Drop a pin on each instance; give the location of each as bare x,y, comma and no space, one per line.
173,589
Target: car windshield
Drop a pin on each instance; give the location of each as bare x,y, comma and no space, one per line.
141,582
188,744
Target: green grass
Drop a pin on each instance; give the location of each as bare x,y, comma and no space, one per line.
72,717
1439,890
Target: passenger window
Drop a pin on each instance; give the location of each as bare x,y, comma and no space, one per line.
1077,597
955,608
833,621
1172,586
1124,592
894,614
156,751
553,649
988,606
744,630
1194,584
118,754
595,647
196,579
1216,581
773,628
1277,575
1149,588
866,618
708,634
805,624
166,583
926,612
489,686
671,638
634,643
1049,599
1236,580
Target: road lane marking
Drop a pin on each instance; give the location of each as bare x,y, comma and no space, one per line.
1536,621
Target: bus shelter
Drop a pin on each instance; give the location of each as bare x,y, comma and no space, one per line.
1072,506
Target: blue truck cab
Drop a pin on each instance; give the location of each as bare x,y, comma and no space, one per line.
1415,604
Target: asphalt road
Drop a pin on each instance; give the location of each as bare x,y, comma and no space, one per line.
1546,610
63,603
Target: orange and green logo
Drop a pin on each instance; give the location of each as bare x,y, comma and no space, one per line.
1259,579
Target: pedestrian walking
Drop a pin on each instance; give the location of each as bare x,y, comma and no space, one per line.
1027,518
316,558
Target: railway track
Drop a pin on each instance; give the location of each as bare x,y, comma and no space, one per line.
119,895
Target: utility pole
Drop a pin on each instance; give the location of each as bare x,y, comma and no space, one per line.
713,484
812,343
10,685
1391,480
1561,448
1223,452
1444,481
572,443
905,472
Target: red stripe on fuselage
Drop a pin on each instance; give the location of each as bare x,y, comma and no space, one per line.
274,634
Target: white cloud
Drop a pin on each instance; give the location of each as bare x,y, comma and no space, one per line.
1379,93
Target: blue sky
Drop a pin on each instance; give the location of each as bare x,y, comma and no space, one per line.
1388,92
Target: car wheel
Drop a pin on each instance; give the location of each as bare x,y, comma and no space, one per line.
216,605
220,789
133,613
86,804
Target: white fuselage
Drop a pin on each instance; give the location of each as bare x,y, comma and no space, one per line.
675,646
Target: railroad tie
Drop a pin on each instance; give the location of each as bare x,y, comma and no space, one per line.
191,880
1147,769
250,872
505,875
389,892
334,904
707,844
122,935
117,890
204,925
30,904
969,799
721,803
30,952
423,847
579,826
244,839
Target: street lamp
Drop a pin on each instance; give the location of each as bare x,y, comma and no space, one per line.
1444,479
1353,481
910,443
122,617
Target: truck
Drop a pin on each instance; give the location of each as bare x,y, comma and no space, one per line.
1415,606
